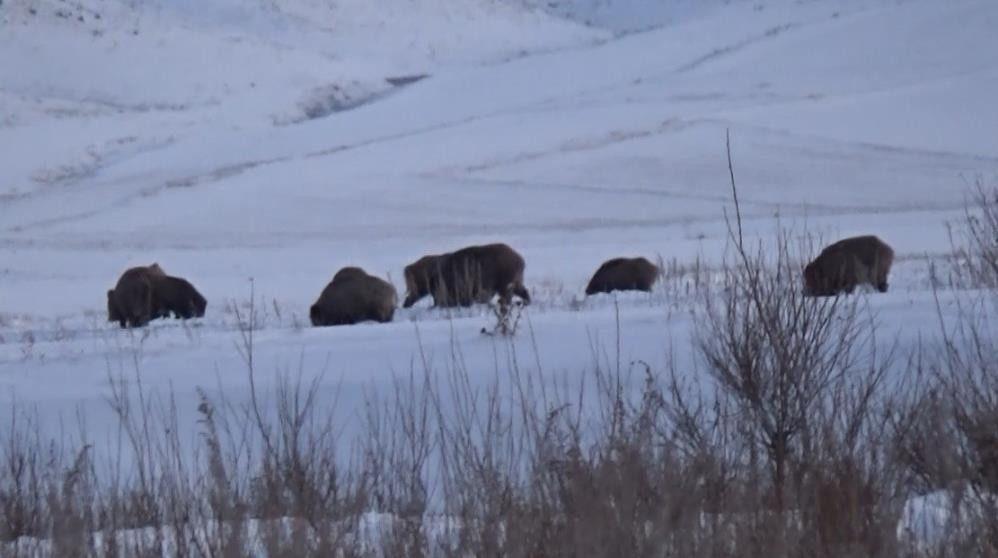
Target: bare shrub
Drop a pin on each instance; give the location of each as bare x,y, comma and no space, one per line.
507,318
798,409
805,381
21,479
396,452
975,240
949,442
296,473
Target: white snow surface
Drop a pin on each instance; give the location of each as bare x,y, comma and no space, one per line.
230,140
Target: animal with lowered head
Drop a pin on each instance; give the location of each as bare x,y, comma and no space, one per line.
853,261
144,293
354,296
177,295
623,274
467,276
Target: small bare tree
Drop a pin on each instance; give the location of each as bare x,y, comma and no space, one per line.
799,382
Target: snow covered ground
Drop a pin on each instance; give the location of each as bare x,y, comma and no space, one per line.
234,140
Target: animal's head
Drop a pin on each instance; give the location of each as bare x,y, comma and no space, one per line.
199,303
814,284
112,308
420,279
315,314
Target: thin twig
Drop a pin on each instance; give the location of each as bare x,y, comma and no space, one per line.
734,190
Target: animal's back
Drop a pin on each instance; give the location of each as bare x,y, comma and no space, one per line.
869,250
349,274
491,269
612,263
623,274
355,296
865,247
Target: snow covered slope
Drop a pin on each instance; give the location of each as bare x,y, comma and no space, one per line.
210,141
97,81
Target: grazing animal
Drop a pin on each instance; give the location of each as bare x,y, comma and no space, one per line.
145,293
130,302
841,266
623,274
354,296
177,295
467,276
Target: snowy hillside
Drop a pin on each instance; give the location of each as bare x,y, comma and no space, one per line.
279,141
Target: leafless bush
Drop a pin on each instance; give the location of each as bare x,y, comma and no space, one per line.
794,423
975,240
949,441
788,359
21,479
397,449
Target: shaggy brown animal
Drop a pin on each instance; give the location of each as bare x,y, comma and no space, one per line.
467,276
130,302
354,296
176,295
623,274
842,266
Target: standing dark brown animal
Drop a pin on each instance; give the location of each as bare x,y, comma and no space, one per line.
623,274
842,266
176,295
130,302
354,296
467,276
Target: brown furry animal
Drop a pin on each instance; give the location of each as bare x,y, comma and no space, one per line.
623,274
842,266
145,293
467,276
130,302
176,295
354,296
